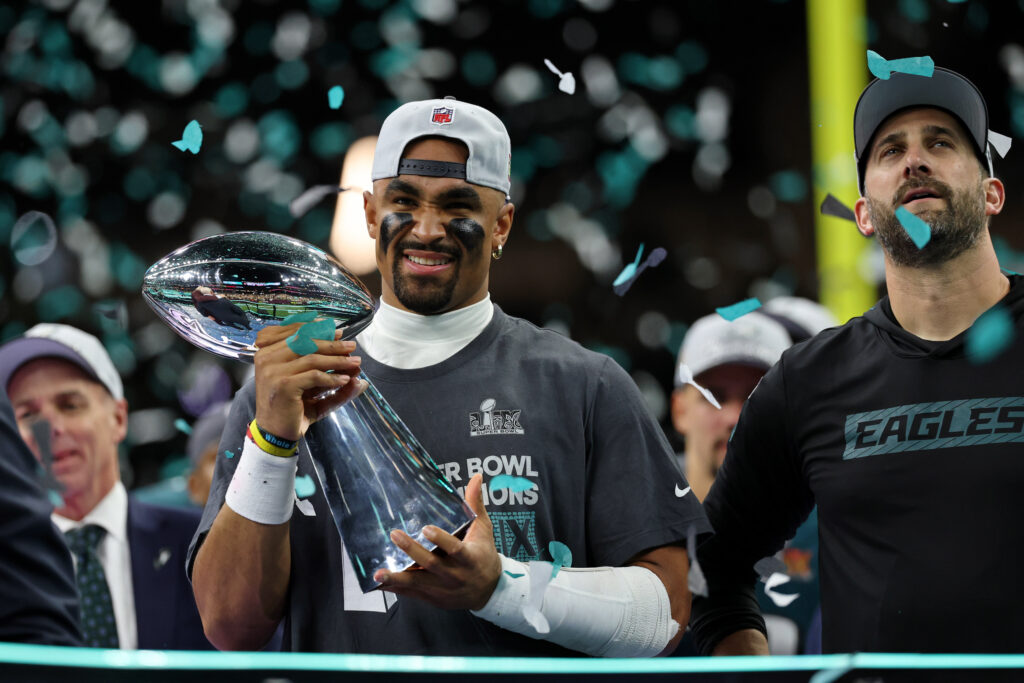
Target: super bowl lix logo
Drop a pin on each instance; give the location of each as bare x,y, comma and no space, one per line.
491,421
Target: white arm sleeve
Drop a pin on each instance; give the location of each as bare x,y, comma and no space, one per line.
603,611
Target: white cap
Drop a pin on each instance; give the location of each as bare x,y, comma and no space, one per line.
53,340
748,340
490,150
811,316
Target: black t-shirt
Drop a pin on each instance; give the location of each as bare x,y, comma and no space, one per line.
519,401
915,457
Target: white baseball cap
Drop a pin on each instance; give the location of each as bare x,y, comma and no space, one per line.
808,317
53,340
490,150
752,339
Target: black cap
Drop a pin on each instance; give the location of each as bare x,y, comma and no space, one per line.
945,89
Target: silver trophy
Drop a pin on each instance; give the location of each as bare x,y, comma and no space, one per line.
219,292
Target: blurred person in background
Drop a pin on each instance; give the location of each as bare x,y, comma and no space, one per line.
728,359
38,598
69,404
201,450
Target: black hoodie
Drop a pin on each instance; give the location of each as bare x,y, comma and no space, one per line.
914,455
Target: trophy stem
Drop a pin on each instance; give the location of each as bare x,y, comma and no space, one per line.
376,477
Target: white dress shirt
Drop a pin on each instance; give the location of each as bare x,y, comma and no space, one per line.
111,513
406,341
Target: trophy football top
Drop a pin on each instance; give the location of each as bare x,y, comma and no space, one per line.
220,291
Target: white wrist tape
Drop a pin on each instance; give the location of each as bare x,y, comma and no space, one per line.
604,611
263,486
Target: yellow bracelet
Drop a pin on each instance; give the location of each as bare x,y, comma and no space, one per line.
256,435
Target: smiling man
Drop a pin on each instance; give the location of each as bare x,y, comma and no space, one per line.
486,394
906,437
70,408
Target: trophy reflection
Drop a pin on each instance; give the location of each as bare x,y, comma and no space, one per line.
219,292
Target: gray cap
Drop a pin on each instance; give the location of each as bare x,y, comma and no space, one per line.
490,150
944,89
54,340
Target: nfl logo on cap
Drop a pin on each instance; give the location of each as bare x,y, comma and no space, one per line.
442,115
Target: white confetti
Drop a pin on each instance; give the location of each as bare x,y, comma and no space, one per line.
566,81
1001,143
305,507
780,599
686,377
308,199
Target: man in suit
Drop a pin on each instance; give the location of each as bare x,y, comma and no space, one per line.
38,600
69,405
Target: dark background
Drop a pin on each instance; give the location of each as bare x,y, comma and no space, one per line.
701,146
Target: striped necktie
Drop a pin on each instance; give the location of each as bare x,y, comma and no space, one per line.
98,626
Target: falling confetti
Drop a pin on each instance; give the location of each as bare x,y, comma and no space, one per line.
41,434
335,96
229,454
304,486
301,205
884,68
302,342
919,231
566,81
1000,143
513,574
33,238
780,599
990,334
55,499
633,270
739,309
686,377
833,207
183,426
192,139
507,481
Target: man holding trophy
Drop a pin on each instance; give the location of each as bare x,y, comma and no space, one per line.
578,546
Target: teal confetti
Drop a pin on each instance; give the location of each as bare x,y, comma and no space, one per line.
335,96
304,486
737,310
561,556
507,481
191,139
630,270
305,317
183,426
919,231
513,575
990,334
55,498
302,342
884,68
229,454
